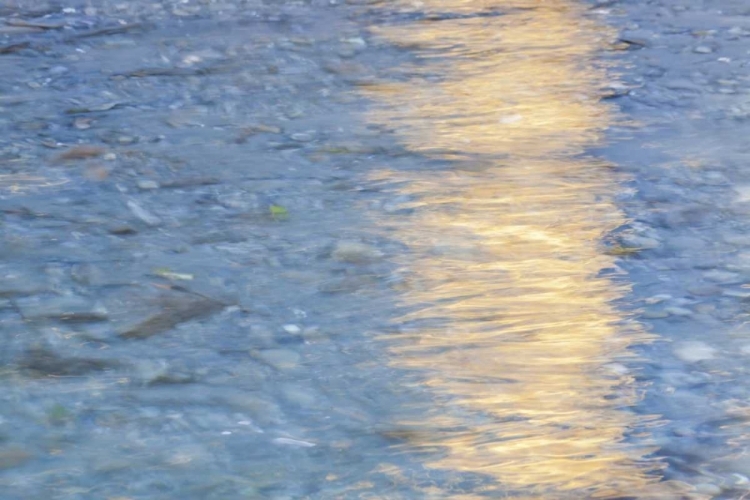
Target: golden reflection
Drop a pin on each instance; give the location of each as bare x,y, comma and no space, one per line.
512,328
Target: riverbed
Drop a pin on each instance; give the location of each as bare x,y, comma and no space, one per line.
388,250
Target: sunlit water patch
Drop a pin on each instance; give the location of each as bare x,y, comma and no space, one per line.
511,323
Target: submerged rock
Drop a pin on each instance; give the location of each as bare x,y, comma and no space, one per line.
355,252
43,361
281,359
175,309
160,371
694,351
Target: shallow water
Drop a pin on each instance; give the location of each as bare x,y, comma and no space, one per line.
384,250
511,323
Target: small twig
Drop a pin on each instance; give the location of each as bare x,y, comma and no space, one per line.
34,24
110,30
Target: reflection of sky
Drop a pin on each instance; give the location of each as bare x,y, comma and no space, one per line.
512,328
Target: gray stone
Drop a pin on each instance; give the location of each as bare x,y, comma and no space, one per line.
281,359
678,311
146,184
43,361
160,371
643,242
694,351
355,252
174,309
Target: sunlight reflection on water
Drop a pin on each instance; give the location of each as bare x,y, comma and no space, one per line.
512,325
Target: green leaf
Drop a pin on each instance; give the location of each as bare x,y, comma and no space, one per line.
278,212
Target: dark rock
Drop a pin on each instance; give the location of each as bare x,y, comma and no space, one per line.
175,309
43,361
122,229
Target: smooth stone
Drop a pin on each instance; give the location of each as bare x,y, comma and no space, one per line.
281,359
313,334
355,253
356,41
644,242
304,397
147,185
738,31
292,329
159,371
678,311
694,351
262,410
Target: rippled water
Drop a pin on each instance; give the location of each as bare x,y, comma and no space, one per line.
361,251
512,325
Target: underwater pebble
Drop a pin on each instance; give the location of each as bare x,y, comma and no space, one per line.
281,359
694,351
355,252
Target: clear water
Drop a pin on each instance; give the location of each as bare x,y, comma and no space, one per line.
397,250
